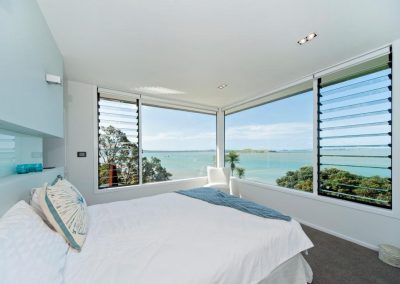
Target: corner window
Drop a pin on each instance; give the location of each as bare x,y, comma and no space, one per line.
118,159
273,143
176,144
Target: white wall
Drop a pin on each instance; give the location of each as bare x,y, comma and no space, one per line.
17,187
28,52
80,126
355,222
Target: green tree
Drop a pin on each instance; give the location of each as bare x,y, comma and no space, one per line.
119,160
240,172
339,181
302,179
232,158
153,171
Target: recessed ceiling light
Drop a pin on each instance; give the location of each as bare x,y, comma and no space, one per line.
302,41
222,86
309,37
158,91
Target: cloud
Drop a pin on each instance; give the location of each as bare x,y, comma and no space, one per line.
265,136
277,131
178,136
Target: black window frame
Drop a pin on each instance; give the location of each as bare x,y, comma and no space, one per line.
139,170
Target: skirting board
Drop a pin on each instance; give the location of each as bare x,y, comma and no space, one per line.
333,233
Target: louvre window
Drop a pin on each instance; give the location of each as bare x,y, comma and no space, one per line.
355,134
118,143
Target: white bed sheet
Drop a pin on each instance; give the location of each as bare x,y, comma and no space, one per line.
296,270
171,238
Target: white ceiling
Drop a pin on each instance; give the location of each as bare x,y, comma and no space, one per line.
195,46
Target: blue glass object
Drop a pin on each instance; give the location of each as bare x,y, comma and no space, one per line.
38,167
22,169
28,168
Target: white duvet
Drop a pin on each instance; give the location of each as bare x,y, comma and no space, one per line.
171,238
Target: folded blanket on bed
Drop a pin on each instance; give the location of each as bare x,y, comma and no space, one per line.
217,197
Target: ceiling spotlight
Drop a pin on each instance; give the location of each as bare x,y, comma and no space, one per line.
309,37
222,86
302,41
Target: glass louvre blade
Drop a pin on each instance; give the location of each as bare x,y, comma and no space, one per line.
356,146
353,106
381,79
366,114
362,187
354,156
356,95
355,136
353,197
355,125
372,68
354,166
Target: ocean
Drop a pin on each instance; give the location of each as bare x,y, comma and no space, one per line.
263,167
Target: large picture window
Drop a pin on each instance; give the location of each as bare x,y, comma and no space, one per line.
355,134
273,143
118,159
176,144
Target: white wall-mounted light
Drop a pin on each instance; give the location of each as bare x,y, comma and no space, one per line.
53,79
309,37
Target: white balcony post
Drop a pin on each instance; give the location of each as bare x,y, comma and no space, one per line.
315,136
220,138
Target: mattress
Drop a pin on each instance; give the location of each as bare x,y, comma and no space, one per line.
171,238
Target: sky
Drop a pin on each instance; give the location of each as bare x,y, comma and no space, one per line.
270,126
281,125
176,130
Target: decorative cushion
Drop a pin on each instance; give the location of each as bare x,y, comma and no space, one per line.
66,209
30,252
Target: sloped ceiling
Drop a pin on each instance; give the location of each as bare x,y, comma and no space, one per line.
195,46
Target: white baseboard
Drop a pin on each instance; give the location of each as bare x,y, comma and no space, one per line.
333,233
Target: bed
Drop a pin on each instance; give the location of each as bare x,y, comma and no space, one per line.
172,238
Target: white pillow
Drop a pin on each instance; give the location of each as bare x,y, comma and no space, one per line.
66,209
30,252
34,201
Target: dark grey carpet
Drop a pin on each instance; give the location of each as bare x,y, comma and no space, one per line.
334,260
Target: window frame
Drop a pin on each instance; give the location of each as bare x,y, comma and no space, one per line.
147,104
394,211
146,101
110,188
294,90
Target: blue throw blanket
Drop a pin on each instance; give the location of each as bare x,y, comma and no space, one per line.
217,197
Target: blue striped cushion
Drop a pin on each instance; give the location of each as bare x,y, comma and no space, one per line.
66,210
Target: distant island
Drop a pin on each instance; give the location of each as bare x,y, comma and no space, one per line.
241,151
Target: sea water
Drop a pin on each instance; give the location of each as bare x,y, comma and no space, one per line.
264,167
